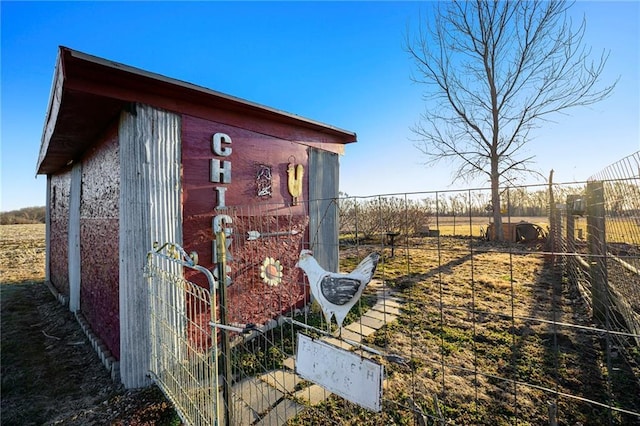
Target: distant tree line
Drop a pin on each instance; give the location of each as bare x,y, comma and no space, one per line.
377,215
23,216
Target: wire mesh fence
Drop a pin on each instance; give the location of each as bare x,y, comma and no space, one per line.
467,330
495,331
620,237
183,357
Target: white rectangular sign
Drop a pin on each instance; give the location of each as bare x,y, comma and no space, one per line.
342,372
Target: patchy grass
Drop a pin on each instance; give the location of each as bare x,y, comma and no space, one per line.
485,336
269,350
481,335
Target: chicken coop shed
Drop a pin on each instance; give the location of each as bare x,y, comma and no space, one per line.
132,158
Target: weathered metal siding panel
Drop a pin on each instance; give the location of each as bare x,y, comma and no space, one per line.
150,210
99,212
74,237
59,240
323,207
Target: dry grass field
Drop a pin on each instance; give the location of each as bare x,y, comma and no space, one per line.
618,229
21,253
476,226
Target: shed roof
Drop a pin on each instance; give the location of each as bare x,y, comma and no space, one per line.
88,93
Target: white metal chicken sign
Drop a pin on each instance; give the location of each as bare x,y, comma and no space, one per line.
336,292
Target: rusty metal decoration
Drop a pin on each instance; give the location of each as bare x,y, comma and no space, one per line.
254,235
295,173
263,181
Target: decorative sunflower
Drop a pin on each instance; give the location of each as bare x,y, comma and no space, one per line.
271,271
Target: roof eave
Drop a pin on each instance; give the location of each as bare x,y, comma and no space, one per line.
105,87
55,99
349,136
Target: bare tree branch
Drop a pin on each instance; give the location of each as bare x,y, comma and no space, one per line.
493,71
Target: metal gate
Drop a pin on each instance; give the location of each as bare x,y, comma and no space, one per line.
210,378
183,337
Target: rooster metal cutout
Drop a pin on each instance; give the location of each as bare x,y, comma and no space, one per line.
335,292
294,181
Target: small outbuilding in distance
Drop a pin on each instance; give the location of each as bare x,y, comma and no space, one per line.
132,158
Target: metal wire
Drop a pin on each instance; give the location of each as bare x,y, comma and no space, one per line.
474,331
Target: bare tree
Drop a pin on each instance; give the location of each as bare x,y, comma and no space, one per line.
494,71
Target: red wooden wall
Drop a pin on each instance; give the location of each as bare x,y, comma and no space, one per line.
250,299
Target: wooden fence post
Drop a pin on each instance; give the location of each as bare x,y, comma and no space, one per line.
597,250
557,245
571,263
551,240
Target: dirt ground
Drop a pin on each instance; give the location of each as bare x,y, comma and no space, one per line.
50,373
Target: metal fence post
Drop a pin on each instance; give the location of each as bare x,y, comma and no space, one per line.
553,413
571,240
557,245
552,240
597,249
225,345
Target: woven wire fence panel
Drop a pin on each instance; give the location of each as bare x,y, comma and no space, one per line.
486,332
468,330
621,187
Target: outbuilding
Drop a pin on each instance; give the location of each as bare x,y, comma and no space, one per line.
132,158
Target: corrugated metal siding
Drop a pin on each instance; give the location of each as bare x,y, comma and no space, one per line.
150,210
59,240
99,215
323,208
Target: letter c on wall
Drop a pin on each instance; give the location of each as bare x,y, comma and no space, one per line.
218,140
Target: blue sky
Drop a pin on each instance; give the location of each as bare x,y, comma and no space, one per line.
341,63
